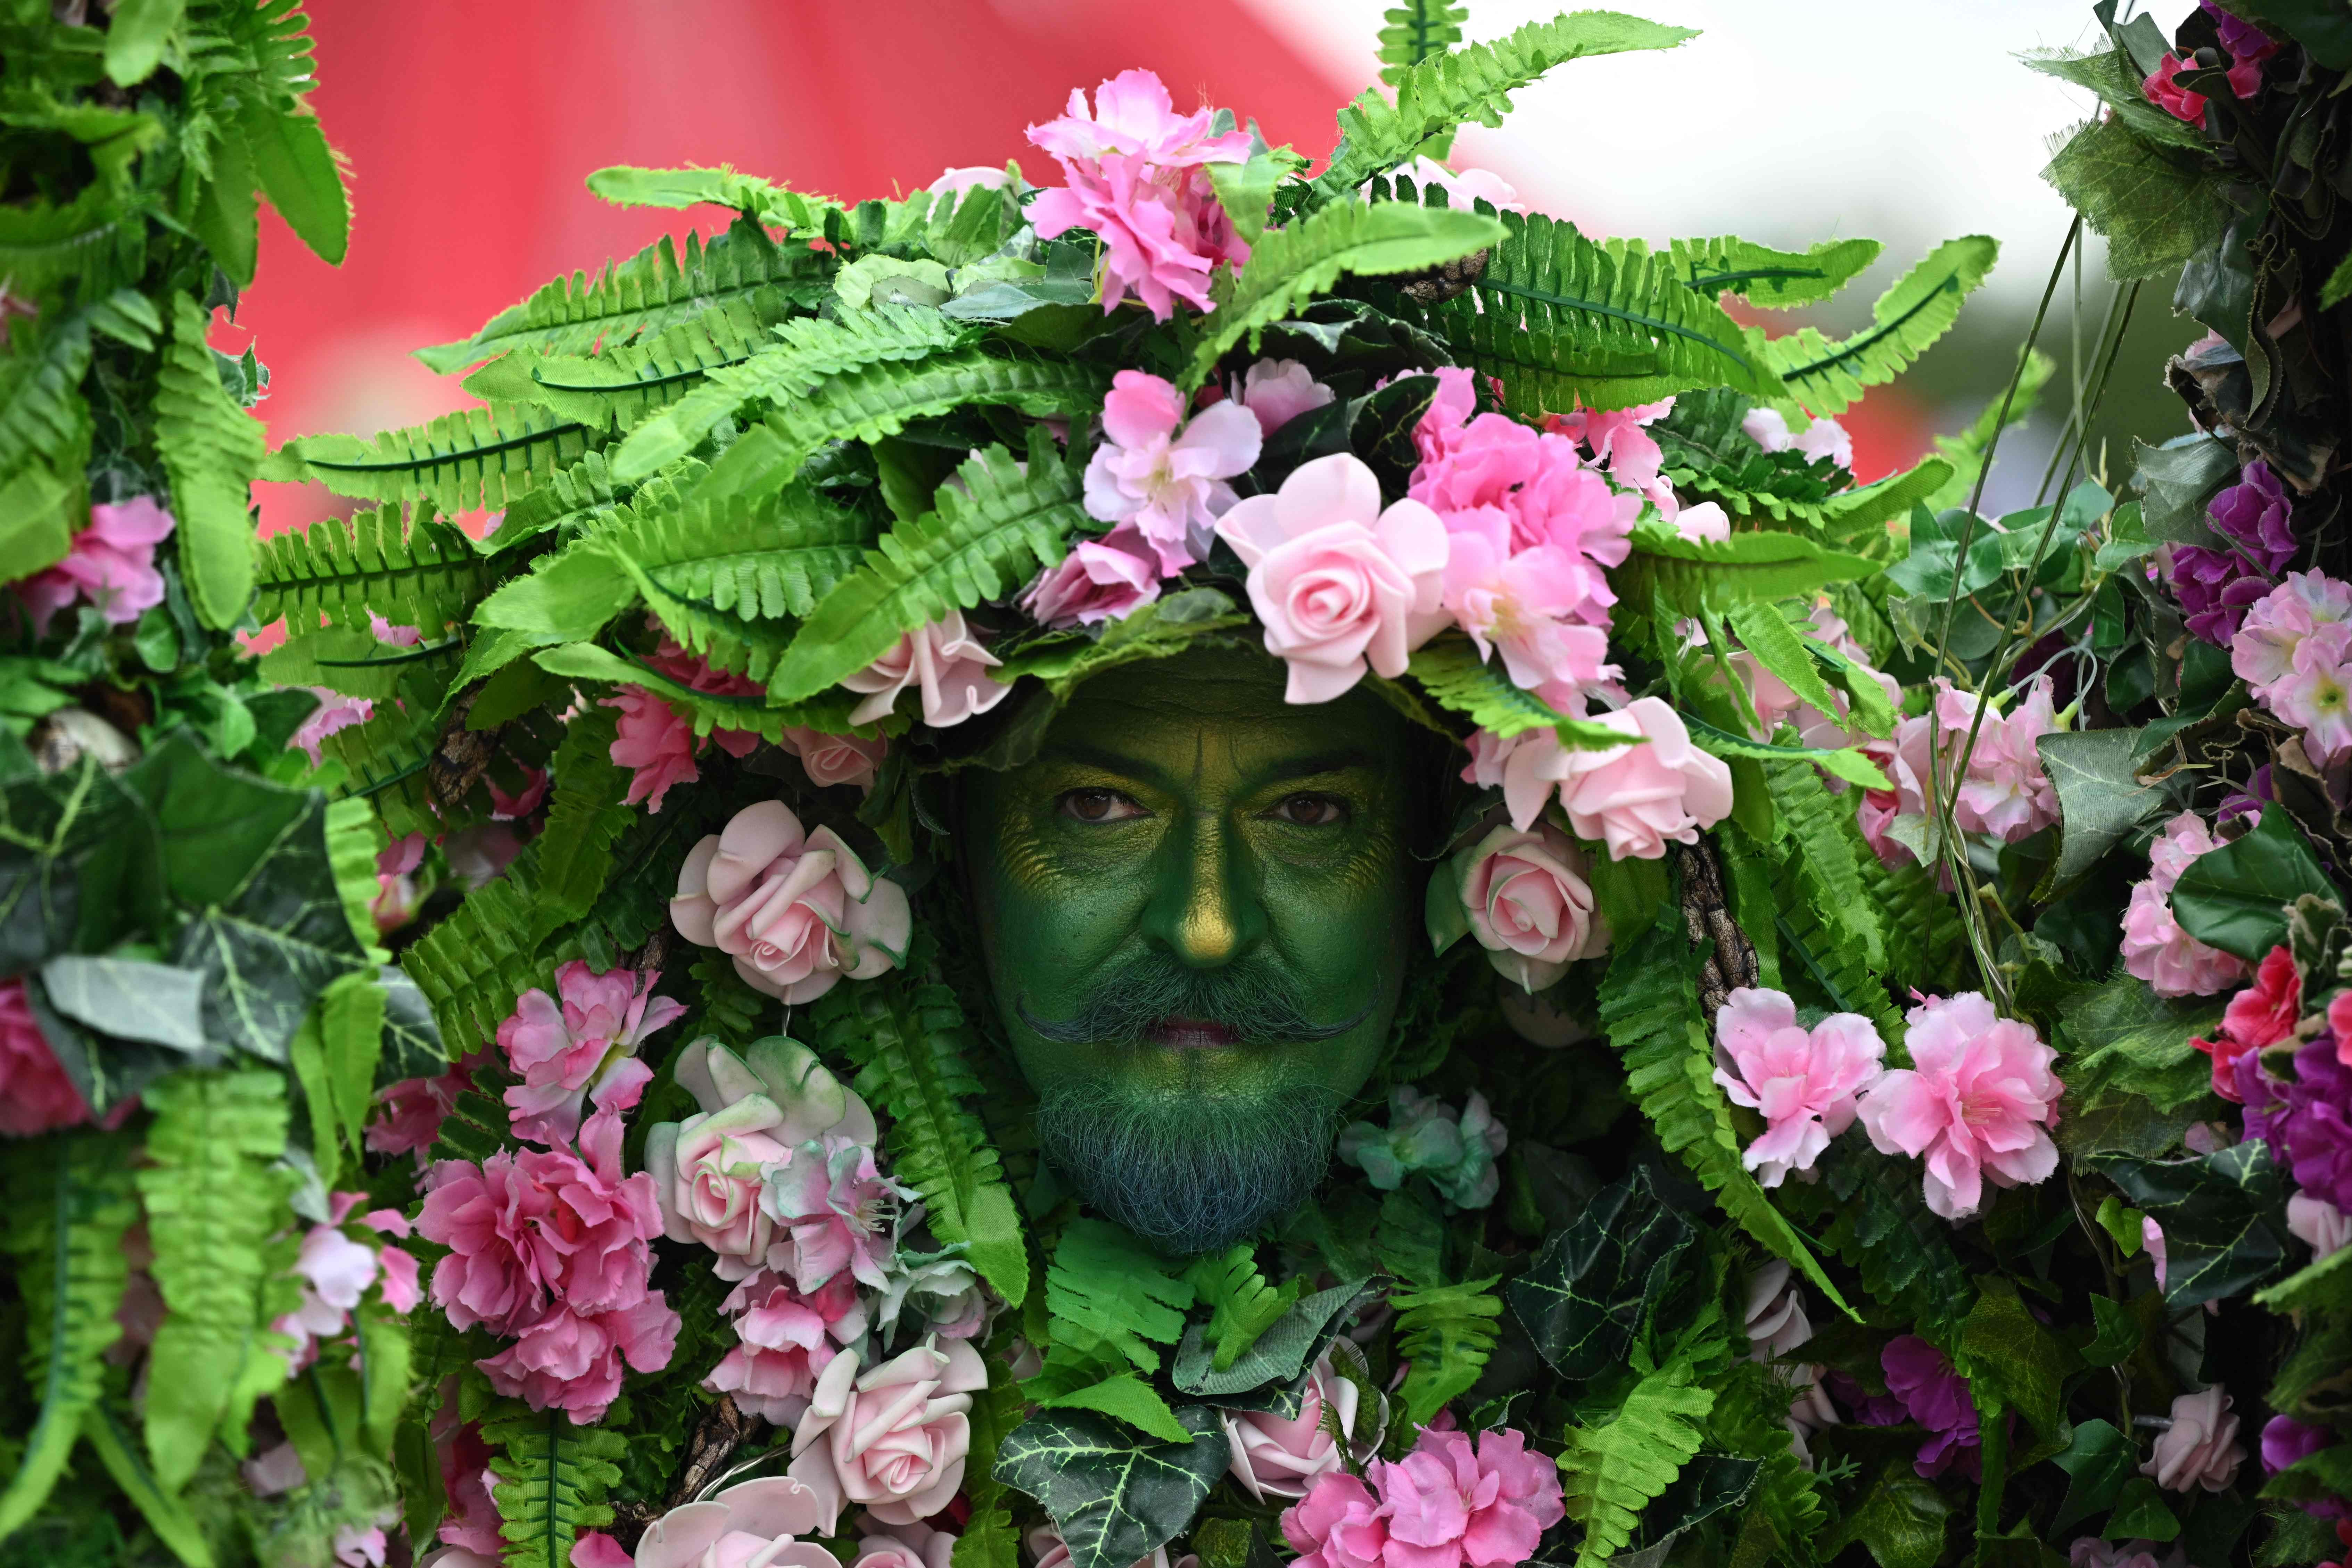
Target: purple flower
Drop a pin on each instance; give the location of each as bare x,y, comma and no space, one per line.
2215,586
2256,513
1937,1399
1869,1409
2286,1440
2248,46
2313,1134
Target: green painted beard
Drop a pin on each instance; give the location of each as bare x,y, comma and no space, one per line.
1196,905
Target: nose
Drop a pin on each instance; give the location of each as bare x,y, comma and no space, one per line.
1204,908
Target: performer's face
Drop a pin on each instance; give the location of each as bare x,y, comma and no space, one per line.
1196,905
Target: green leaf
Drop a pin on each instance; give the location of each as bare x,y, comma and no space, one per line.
1474,82
570,592
1695,574
2176,481
1447,1333
2122,1042
1114,1498
1415,31
1595,1284
1290,266
1774,280
42,414
1451,671
212,449
2101,803
472,965
1824,860
584,822
1108,1284
2141,1514
128,996
1242,1305
623,387
2006,1352
1879,1223
216,1196
1610,1470
878,400
2325,1283
2235,898
1245,190
34,531
135,36
548,1478
173,1525
2154,208
1901,1520
2098,1459
300,175
1280,1355
987,537
2223,1217
425,575
1128,1398
1846,763
772,205
474,458
1829,377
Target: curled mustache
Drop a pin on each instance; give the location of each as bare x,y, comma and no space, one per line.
1256,1003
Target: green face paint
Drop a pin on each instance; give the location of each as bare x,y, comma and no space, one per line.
1196,903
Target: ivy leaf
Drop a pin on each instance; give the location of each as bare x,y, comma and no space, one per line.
2223,1217
2141,1514
1296,1341
1593,1286
130,998
1115,1498
2123,1042
2012,1355
2100,802
2176,482
2154,209
2235,898
1901,1519
2098,1460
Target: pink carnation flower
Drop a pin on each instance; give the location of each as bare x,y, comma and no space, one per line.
797,911
1443,1505
1163,473
2173,962
1977,1101
1639,797
1106,579
1340,585
2006,793
1133,168
36,1094
944,662
414,1109
2294,651
657,743
785,1340
1803,1081
112,563
584,1046
570,1360
1277,391
1540,485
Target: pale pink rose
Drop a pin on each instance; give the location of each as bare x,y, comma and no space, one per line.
1163,473
752,1524
1706,523
1769,429
395,882
971,177
1801,1081
908,1546
1977,1101
796,912
1775,1318
893,1438
1339,583
583,1047
2200,1447
2262,651
335,712
111,563
785,1340
1528,903
2173,962
716,1164
35,1093
570,1360
2151,1238
836,1210
1640,797
2090,1551
829,759
944,662
1465,188
1106,579
1525,607
1274,1458
2319,1224
1826,438
1278,391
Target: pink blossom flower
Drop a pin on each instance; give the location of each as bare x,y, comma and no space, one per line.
1768,427
2263,1015
785,1340
1465,188
2006,791
1525,767
1706,523
1441,1505
2173,962
460,1557
1525,605
335,1272
472,1523
334,713
1539,484
1133,168
1278,391
1106,579
2318,1224
829,759
1617,439
527,1226
797,912
359,1546
37,1095
1657,789
1803,1081
1977,1101
414,1109
594,1548
112,563
570,1360
1163,473
944,662
2164,91
584,1048
1277,1458
2263,650
1340,1524
395,881
2151,1240
1826,438
1450,409
1528,903
1339,584
905,1546
505,807
836,1210
2200,1447
893,1438
654,741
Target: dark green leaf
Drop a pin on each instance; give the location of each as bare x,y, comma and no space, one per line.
2223,1217
1298,1338
1901,1518
2100,802
2141,1514
1594,1284
2098,1460
2011,1354
1115,1498
2176,480
2235,898
128,997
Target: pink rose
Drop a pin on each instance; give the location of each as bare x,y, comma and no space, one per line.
797,912
1274,1457
1977,1100
836,759
1639,797
1339,583
1529,904
1278,391
570,1360
2200,1447
112,563
1768,427
1106,579
944,662
1165,474
584,1048
752,1524
784,1341
909,1546
36,1094
893,1439
1801,1081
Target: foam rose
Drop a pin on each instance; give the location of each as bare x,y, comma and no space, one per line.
1640,797
829,759
1525,898
2200,1447
797,912
1340,584
1274,1458
1106,579
908,1546
893,1438
753,1524
944,662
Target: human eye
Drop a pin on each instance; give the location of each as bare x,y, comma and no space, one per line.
1310,809
1098,805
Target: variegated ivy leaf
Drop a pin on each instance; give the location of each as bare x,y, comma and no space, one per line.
1592,1286
1293,1342
1115,1497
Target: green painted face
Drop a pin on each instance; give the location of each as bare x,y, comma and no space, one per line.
1197,904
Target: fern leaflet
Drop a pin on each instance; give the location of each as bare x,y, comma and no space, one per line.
472,459
1453,675
1447,1331
1242,1305
765,559
41,412
1821,857
388,755
426,575
1415,31
1879,1223
1831,377
878,400
624,386
1104,1288
473,966
1775,280
1611,1471
549,1480
589,815
211,448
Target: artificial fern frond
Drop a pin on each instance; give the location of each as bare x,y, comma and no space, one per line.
1879,1223
1925,944
908,1041
387,756
1789,1510
649,291
41,409
586,818
472,965
427,574
216,1194
549,1477
1563,321
878,400
1242,1305
474,457
1474,82
624,386
1447,1331
1829,377
69,1203
808,350
770,204
1775,280
725,641
1115,1291
1821,857
1288,267
1009,518
1609,1470
1450,670
95,241
211,448
762,558
1415,31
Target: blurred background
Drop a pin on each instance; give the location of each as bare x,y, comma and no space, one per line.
469,129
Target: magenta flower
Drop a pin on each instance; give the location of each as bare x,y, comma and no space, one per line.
1938,1398
1277,391
1803,1082
585,1048
1977,1101
2163,90
2256,514
1106,579
36,1094
1133,168
2214,587
112,563
836,1210
1443,1505
2248,48
570,1360
1166,474
946,664
2307,1121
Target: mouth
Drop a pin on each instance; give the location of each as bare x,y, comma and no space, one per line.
1191,1033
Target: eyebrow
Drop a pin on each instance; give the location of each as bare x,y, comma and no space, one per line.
1290,768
